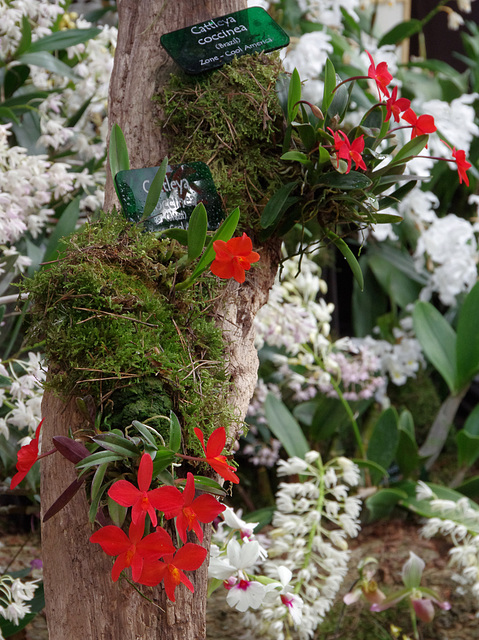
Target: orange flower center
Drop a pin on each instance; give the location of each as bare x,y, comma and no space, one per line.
175,574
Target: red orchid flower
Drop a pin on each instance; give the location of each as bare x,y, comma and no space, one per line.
395,106
380,75
189,558
140,499
131,549
26,458
213,449
462,165
233,258
188,510
420,125
348,151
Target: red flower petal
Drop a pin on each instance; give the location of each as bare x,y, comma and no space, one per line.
124,493
111,539
152,573
207,508
190,557
145,472
216,442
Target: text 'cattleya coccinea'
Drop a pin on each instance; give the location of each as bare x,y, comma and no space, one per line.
233,258
213,453
141,500
188,510
26,458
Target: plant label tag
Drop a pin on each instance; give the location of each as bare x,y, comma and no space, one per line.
185,186
209,45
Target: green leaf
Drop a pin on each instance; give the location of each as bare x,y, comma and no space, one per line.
8,115
117,444
46,61
97,495
25,40
385,218
410,149
116,512
438,341
349,255
146,433
118,152
294,95
63,39
298,156
400,32
155,190
180,235
467,344
407,455
345,181
283,425
307,135
65,225
381,504
224,232
468,440
100,457
197,228
175,433
275,205
470,487
163,459
372,466
5,382
329,84
73,119
384,440
15,77
210,486
399,287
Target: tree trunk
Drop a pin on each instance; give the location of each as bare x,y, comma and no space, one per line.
82,602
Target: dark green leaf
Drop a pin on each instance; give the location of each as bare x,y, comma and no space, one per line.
100,457
438,341
470,487
209,486
384,440
345,181
371,466
307,135
381,504
410,149
283,425
46,61
15,77
146,433
73,119
468,439
329,85
400,32
25,40
97,491
407,455
8,115
155,190
274,207
65,225
197,228
175,433
63,39
163,459
5,382
400,288
116,512
180,235
297,156
467,344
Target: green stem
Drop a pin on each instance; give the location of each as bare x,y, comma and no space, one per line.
352,419
413,621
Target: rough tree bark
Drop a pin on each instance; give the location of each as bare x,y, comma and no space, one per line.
82,602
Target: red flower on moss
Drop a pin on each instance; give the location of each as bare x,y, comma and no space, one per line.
233,258
380,75
170,569
132,549
421,125
395,106
26,458
216,444
140,499
188,510
462,165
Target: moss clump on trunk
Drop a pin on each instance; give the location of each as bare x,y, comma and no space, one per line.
232,120
114,328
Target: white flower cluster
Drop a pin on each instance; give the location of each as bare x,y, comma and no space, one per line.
459,521
14,595
313,520
40,14
22,400
446,251
27,186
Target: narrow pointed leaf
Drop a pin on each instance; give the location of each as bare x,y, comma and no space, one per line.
70,449
64,498
329,84
116,512
66,224
283,425
163,458
197,228
117,152
467,345
45,60
155,190
275,206
99,457
410,149
63,39
146,433
294,95
117,444
349,255
175,433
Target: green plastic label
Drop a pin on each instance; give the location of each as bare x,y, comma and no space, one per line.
185,186
209,45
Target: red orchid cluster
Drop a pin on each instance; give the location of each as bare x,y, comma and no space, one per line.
154,558
233,258
26,458
396,108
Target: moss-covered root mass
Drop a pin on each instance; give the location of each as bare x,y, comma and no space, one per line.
231,119
114,329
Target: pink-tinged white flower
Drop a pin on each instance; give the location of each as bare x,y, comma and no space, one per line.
233,521
292,602
245,594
